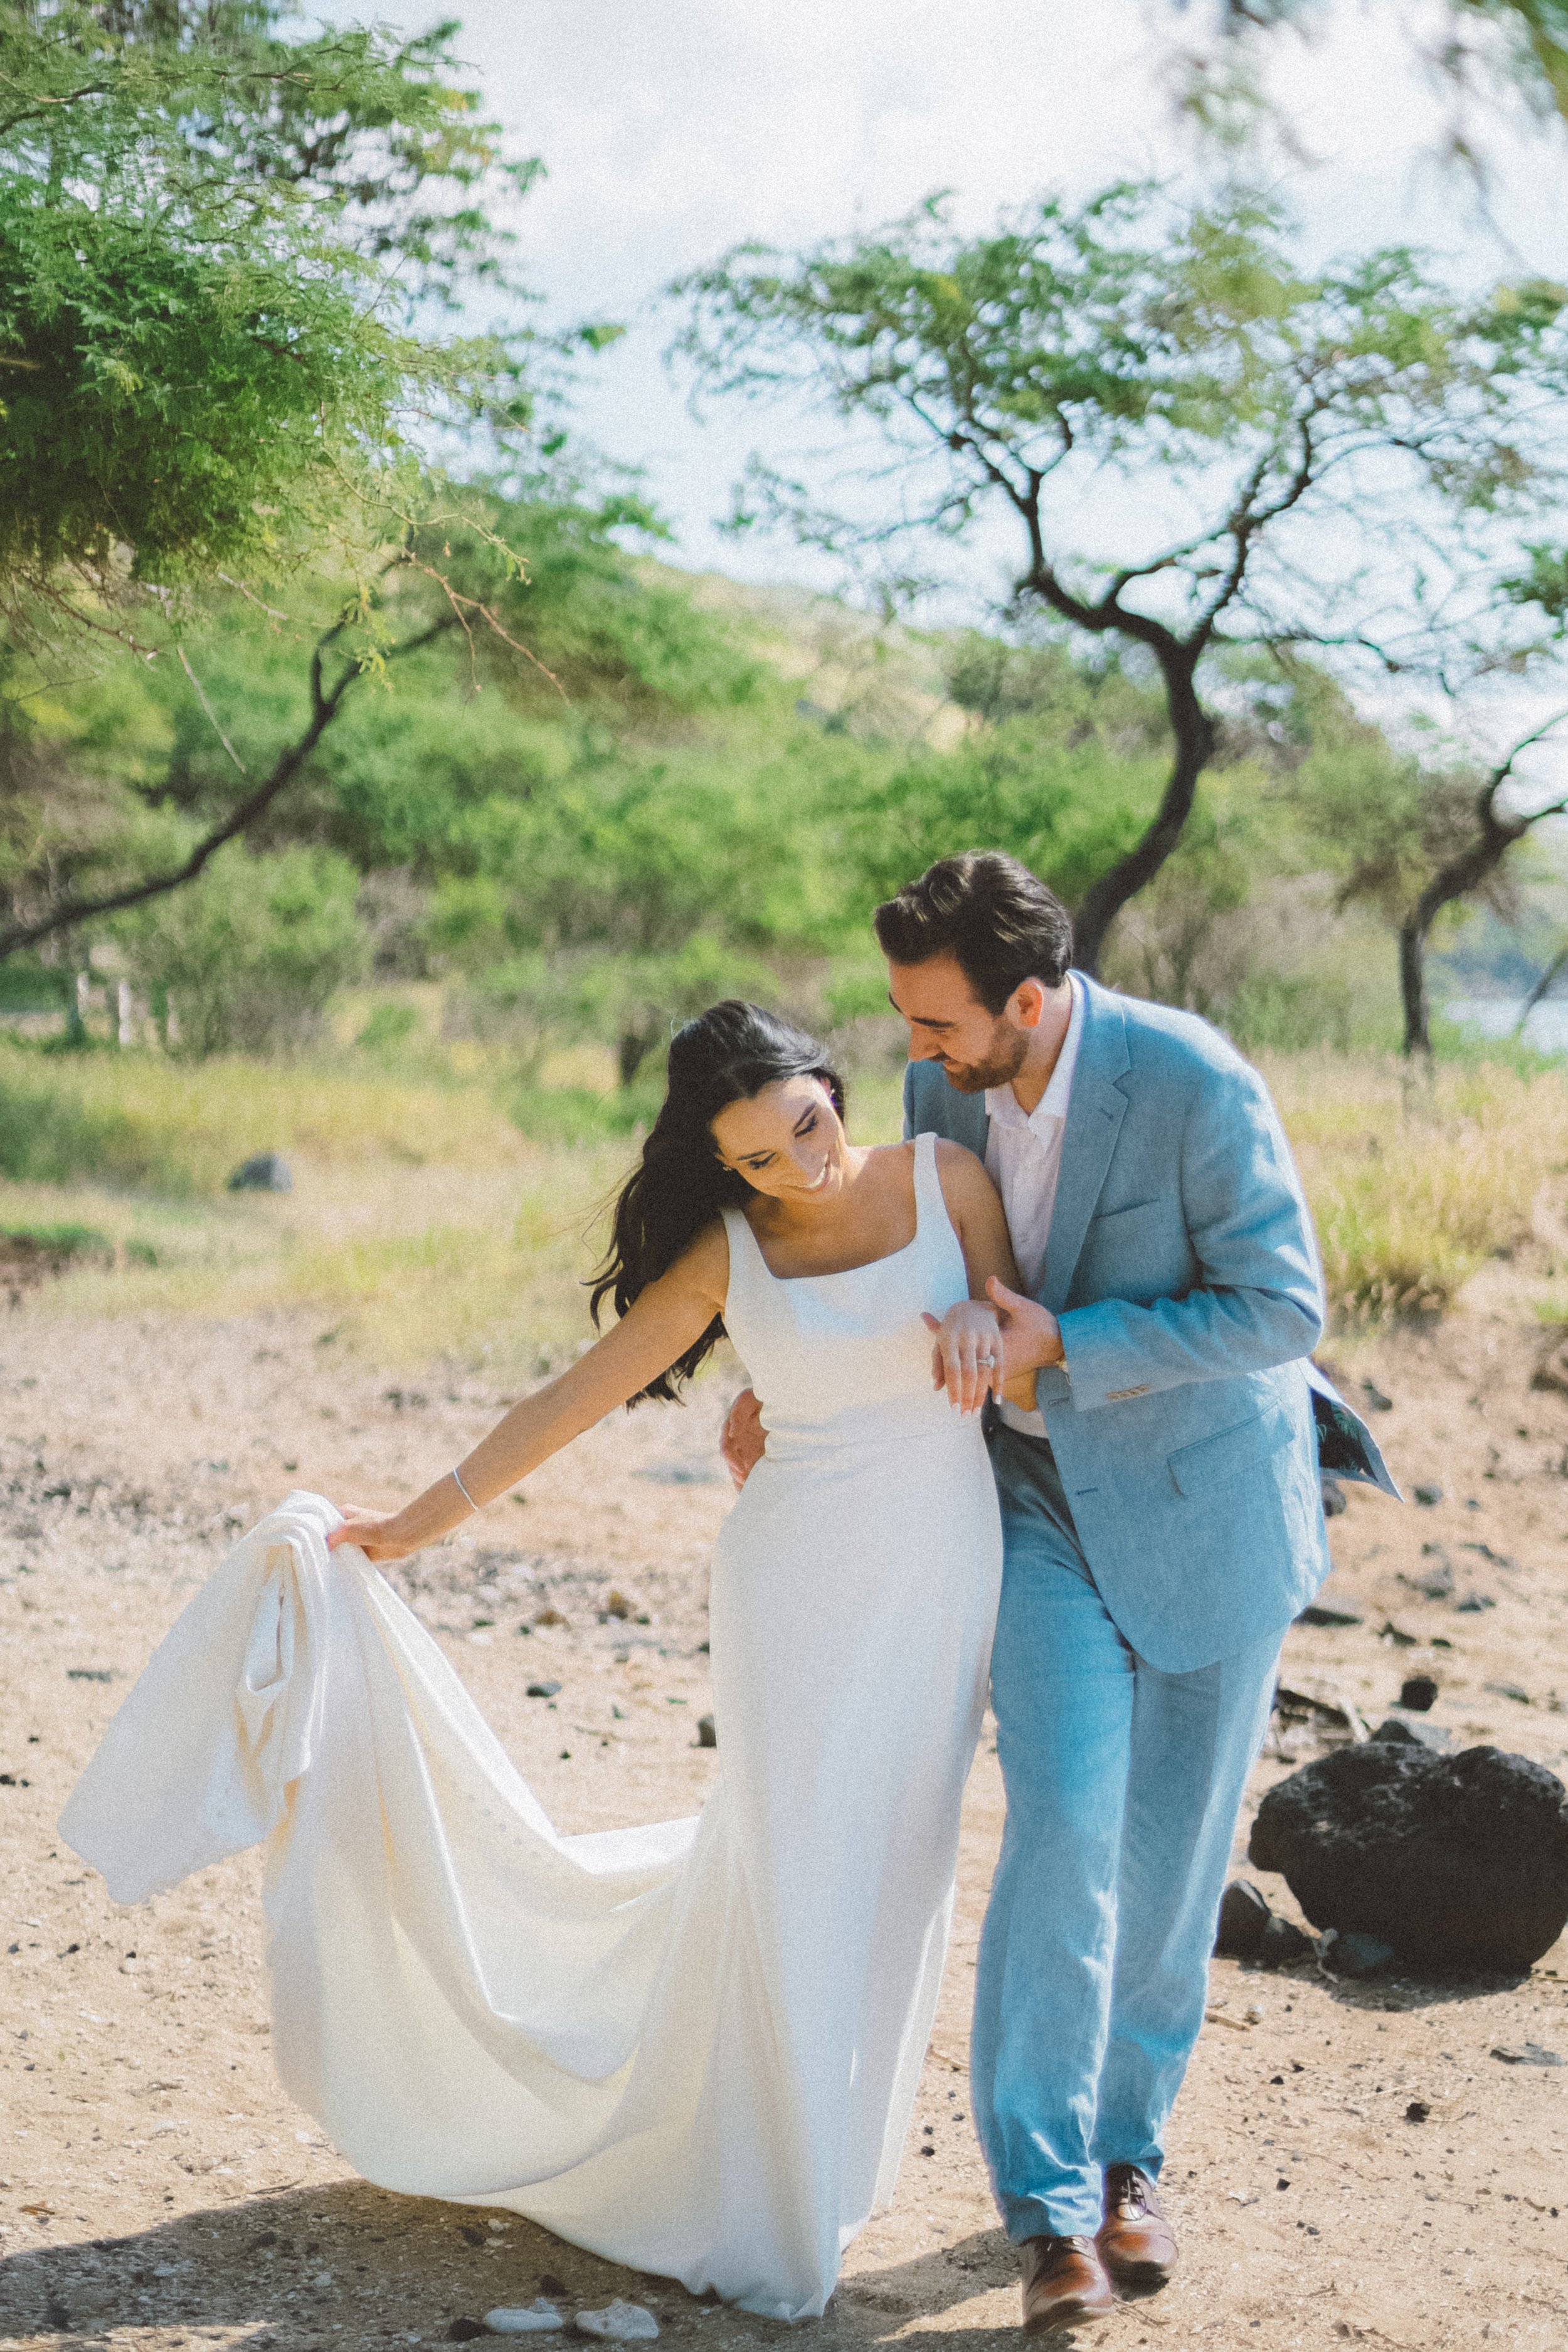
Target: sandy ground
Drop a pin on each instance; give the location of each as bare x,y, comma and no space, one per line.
157,2189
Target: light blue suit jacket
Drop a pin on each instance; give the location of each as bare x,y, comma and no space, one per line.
1183,1267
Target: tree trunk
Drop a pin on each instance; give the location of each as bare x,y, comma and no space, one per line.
1194,733
632,1050
1413,983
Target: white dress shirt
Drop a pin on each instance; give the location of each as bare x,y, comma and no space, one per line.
1024,1155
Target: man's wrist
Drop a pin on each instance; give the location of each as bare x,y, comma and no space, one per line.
1050,1350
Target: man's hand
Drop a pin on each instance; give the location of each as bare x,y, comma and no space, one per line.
743,1440
1031,1337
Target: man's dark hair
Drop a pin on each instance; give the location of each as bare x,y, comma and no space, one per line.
996,919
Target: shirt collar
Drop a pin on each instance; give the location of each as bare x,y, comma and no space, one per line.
1002,1104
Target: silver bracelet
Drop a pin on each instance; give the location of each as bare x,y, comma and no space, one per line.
464,1492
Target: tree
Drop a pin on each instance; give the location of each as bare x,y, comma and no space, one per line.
1411,836
223,249
1328,458
260,742
1471,48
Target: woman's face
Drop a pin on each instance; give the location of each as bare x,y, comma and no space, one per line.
787,1141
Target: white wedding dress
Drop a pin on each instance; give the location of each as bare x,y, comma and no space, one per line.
693,2048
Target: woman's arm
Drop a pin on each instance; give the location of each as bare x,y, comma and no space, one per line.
976,1208
670,1314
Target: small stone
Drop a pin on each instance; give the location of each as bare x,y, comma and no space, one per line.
550,2284
1551,1372
1243,1916
707,1736
1334,1494
1438,1581
1397,1635
266,1171
1317,1613
543,1690
623,2323
1473,1603
552,1616
531,2319
1418,1733
463,2331
1372,1398
1418,2111
1418,1693
1354,1954
1283,1942
1527,2053
620,1604
1427,1495
1514,1691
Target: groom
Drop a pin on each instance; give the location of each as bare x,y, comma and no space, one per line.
1162,1524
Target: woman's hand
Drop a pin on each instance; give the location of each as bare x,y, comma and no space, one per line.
967,1358
380,1535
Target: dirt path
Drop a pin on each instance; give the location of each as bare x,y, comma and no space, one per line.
156,2189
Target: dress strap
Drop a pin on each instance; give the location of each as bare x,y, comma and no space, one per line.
930,1208
745,1257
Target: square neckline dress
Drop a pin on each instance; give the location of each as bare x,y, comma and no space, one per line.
691,2047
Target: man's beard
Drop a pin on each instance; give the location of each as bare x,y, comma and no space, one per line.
1009,1052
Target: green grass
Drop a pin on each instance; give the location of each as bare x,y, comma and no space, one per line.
61,1241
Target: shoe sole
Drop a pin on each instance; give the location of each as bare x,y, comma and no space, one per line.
1068,2315
1136,2279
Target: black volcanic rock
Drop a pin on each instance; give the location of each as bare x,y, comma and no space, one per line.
1244,1914
1456,1861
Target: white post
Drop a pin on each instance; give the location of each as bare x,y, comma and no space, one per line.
124,1032
83,995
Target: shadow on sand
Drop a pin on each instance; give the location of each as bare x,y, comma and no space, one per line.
348,2265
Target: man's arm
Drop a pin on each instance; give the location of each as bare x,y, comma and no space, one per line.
1258,1297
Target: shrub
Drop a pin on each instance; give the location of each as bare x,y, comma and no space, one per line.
248,955
1418,1177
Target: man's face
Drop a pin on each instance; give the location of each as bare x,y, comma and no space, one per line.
948,1024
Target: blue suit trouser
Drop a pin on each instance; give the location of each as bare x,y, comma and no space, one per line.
1123,1786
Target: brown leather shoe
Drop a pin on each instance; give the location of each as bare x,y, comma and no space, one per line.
1064,2284
1136,2243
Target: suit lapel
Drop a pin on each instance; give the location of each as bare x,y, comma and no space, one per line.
1095,1111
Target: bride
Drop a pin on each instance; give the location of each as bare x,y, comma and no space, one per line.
693,2048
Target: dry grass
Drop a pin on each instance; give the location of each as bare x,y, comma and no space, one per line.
1417,1177
174,1129
424,1225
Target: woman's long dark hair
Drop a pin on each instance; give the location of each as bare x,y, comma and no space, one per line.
727,1055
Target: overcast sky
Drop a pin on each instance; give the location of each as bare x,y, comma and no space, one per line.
670,132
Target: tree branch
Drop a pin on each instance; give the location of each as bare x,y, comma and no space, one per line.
1455,878
325,703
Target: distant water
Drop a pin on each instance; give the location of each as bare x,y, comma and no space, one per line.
1498,1016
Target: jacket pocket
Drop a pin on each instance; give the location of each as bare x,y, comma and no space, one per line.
1194,1467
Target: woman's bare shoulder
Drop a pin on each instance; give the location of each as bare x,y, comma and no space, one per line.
961,1170
704,1264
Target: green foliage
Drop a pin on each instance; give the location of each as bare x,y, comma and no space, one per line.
1077,344
247,956
1063,770
61,1242
219,243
